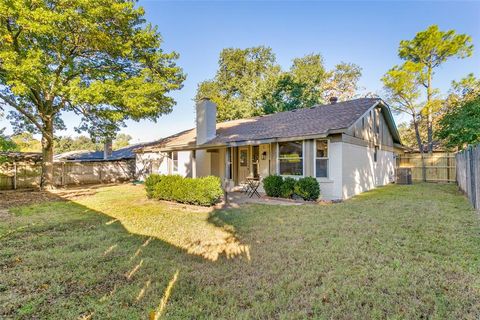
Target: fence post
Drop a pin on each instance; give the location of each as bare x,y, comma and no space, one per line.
424,168
14,175
63,174
472,176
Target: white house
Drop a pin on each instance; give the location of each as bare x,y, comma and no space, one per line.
348,146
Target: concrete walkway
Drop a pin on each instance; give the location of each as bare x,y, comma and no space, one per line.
237,198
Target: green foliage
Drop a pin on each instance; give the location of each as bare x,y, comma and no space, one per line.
432,47
343,81
462,91
121,141
273,185
408,136
240,81
204,191
461,126
426,52
307,188
287,188
6,143
26,142
66,144
151,181
249,82
96,58
402,85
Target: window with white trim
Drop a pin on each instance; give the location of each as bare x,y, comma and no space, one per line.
174,157
290,158
321,158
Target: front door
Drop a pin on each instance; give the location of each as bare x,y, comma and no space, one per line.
243,169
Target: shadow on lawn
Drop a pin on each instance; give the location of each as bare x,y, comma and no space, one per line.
91,223
197,230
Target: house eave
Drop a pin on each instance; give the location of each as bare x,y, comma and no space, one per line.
189,147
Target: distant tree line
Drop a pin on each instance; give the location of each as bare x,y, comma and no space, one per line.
26,142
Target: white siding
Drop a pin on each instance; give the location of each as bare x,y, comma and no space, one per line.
361,172
331,187
184,164
158,162
150,162
203,167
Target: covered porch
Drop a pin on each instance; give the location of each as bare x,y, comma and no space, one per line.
235,164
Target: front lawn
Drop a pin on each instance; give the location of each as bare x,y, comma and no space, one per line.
403,252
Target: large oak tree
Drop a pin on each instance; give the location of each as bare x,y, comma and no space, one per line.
97,58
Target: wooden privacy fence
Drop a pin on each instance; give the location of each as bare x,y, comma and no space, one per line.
468,174
27,174
439,166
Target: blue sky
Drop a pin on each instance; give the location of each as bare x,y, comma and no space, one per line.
365,33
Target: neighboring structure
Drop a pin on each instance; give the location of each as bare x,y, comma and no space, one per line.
108,154
348,146
23,169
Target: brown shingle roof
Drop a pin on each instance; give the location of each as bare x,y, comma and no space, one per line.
318,120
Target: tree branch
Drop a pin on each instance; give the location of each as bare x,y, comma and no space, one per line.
17,107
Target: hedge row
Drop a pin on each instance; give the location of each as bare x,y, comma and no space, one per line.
306,188
204,191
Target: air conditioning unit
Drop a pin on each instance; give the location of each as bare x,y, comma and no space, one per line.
404,176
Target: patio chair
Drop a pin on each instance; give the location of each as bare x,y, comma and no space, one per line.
253,185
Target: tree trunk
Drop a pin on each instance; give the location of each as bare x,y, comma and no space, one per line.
429,112
46,181
417,133
420,147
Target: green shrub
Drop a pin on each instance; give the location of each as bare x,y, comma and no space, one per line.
273,185
204,191
150,183
307,188
288,187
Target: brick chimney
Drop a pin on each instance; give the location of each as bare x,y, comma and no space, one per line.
206,120
333,100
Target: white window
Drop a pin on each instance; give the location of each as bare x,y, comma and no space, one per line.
321,159
290,158
174,157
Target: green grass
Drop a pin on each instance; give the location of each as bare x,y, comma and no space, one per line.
398,252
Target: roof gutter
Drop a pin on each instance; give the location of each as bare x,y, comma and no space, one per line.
244,142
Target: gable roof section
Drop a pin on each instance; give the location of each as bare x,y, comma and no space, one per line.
320,120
